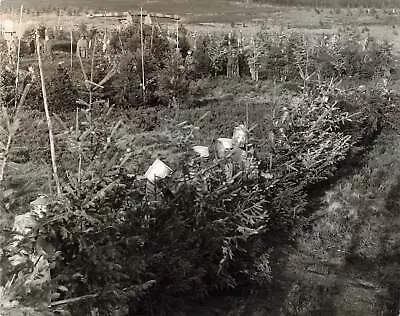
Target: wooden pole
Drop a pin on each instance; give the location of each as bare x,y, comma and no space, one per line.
80,150
151,39
19,51
72,52
50,127
73,300
177,34
142,49
91,74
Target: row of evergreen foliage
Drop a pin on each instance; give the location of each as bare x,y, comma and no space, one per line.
171,79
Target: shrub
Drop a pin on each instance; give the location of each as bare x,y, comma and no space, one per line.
105,218
202,61
217,52
155,42
61,92
285,56
128,82
172,81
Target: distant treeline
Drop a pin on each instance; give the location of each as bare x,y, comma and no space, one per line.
335,3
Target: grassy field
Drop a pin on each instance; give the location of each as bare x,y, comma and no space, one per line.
225,16
165,6
335,3
197,6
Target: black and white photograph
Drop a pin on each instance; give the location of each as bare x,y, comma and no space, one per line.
200,158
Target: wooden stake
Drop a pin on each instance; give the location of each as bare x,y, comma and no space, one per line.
50,127
177,34
72,53
19,51
151,39
247,123
142,48
73,300
91,74
80,150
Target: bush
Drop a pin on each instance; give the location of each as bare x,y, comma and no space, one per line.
166,79
286,56
172,81
62,94
106,218
156,43
127,84
202,61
